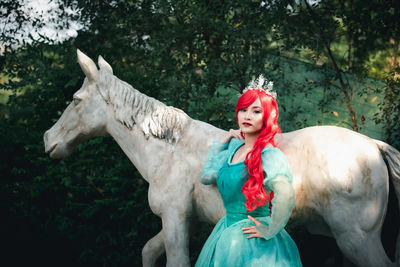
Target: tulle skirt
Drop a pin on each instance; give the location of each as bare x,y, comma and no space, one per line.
228,246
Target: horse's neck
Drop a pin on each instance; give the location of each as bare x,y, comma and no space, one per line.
143,153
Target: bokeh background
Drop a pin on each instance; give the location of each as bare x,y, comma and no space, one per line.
332,62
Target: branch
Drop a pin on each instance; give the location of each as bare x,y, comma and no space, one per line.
344,88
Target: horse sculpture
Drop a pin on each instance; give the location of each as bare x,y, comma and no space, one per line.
340,177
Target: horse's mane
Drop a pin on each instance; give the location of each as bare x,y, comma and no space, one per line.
132,107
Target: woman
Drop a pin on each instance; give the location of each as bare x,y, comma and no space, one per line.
254,180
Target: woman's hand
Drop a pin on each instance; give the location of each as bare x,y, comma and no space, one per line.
232,134
252,229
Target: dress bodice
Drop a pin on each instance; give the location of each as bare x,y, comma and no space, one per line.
230,180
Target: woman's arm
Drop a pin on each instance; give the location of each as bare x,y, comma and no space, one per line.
282,207
277,178
216,157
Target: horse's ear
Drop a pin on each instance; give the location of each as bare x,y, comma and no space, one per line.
88,66
104,64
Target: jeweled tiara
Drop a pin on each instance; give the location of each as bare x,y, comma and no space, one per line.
261,84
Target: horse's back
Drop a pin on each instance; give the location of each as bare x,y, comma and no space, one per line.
330,162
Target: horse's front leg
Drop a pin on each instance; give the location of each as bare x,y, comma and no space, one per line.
176,237
171,199
153,249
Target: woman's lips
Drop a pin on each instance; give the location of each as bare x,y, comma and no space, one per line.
246,124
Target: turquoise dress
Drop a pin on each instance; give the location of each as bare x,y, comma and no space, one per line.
227,245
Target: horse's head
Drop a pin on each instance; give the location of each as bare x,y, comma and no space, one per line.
85,116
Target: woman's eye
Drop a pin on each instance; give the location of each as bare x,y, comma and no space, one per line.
243,110
76,101
257,111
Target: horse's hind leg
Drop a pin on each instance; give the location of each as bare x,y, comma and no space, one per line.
363,249
356,225
153,249
357,230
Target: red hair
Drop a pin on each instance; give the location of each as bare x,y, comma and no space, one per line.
253,189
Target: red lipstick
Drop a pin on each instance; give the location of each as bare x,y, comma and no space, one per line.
246,124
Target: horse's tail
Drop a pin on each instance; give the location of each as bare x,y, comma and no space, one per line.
392,158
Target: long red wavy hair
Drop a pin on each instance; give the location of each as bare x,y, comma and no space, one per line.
253,189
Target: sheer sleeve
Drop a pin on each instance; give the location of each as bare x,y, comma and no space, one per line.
216,157
278,178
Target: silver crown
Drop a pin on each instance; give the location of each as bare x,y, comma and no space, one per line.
261,84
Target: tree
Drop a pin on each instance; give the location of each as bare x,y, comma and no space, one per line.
342,34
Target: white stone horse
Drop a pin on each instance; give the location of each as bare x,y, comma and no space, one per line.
340,177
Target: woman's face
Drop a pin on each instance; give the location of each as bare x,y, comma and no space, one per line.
250,119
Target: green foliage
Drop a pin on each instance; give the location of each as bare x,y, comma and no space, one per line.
343,35
390,108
